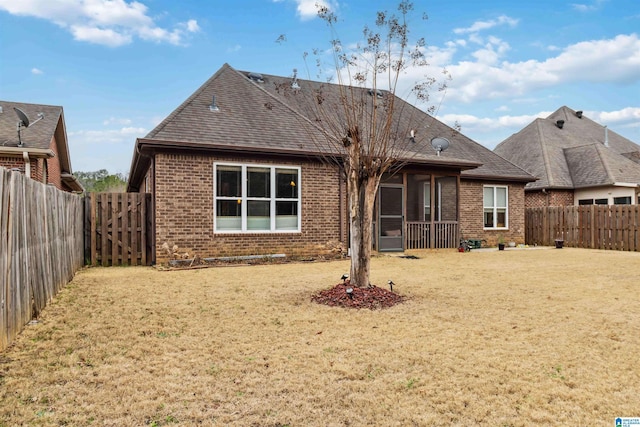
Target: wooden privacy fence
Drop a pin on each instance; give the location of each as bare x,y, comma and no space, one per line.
615,227
41,247
118,229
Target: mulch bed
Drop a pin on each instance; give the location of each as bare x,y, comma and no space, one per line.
371,297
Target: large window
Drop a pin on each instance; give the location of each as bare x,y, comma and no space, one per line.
252,198
496,210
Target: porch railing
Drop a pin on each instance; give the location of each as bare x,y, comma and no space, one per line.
418,235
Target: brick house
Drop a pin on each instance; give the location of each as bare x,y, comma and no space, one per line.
576,160
39,149
239,169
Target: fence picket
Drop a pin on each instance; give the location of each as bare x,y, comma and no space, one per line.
116,223
40,248
597,227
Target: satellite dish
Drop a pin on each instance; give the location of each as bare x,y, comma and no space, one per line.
440,144
22,116
24,122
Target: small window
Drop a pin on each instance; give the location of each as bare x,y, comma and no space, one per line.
622,200
585,202
427,201
602,202
495,202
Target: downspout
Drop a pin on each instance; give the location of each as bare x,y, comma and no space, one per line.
153,210
27,164
341,206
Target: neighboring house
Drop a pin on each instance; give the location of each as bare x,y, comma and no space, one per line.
237,169
576,160
39,149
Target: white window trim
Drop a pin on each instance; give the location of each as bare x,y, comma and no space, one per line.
495,208
272,200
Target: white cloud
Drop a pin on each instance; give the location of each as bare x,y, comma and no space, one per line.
490,131
112,136
106,37
490,124
614,60
308,9
581,7
106,22
192,26
117,121
36,71
485,25
627,117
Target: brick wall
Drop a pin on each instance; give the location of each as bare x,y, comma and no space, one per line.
12,163
538,199
471,213
184,210
38,167
53,167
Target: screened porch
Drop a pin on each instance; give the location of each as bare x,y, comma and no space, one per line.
417,211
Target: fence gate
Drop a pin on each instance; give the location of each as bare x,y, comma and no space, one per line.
118,229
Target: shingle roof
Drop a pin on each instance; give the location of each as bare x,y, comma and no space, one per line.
270,116
574,156
37,136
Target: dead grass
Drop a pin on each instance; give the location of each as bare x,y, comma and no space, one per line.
513,338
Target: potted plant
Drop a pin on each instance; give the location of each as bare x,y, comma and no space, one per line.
500,242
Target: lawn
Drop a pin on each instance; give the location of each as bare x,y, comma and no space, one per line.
524,337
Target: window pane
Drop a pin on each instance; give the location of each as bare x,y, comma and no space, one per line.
622,200
488,197
228,181
286,215
258,182
584,202
602,202
501,218
258,217
488,218
228,215
501,196
286,184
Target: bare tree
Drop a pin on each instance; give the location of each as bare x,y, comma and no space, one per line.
369,130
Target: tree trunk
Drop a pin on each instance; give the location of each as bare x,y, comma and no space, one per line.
362,195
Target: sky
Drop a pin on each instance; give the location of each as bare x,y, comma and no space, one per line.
119,67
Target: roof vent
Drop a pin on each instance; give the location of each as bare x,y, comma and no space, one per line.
377,92
256,77
1,110
606,137
213,106
294,83
560,124
579,114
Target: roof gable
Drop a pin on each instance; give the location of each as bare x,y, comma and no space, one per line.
38,135
571,153
271,114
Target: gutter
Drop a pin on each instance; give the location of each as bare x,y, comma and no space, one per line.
145,144
38,153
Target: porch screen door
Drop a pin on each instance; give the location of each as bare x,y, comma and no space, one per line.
390,218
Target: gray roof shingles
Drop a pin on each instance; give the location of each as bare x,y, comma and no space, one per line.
266,117
37,136
574,156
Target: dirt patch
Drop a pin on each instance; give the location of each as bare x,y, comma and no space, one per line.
486,338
